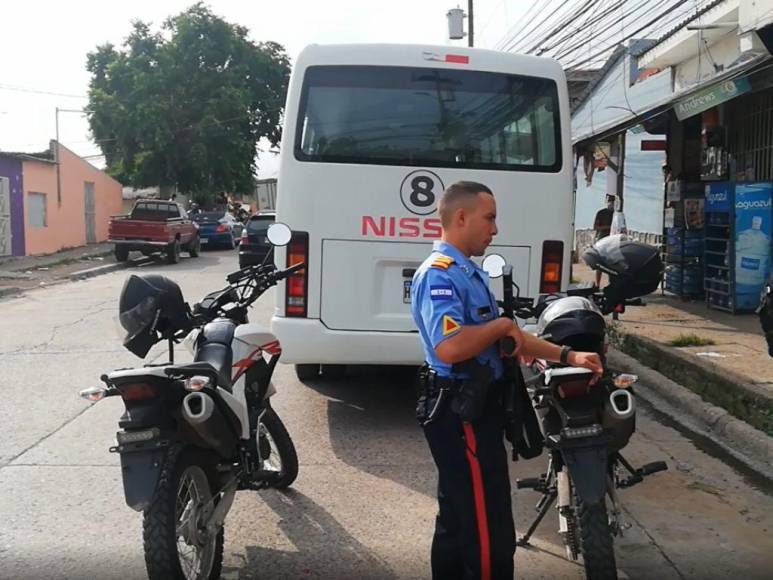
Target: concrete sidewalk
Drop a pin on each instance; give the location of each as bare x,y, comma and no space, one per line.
21,263
740,345
734,373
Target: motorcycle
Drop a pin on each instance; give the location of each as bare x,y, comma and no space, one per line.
584,422
192,435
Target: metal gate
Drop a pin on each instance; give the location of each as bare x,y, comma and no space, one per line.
91,213
5,217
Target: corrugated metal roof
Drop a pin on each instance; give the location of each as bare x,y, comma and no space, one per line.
617,53
676,28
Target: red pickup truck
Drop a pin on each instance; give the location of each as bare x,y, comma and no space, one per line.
154,226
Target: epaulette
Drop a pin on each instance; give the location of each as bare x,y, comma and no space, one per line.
442,262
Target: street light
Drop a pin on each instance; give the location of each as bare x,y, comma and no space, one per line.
56,151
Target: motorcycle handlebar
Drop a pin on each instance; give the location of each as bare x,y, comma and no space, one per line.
291,270
508,345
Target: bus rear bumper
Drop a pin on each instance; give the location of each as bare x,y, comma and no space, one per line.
306,341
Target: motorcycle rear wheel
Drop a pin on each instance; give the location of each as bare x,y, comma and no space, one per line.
596,543
176,546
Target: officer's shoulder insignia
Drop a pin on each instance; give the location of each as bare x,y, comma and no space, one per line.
442,262
449,325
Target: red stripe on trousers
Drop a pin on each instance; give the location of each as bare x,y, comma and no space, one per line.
480,502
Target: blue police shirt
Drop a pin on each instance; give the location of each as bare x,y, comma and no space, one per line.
450,291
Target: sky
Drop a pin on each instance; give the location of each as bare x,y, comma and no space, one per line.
44,46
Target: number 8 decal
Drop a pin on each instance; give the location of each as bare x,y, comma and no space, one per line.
419,192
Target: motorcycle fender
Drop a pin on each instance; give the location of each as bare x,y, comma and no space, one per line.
588,469
140,470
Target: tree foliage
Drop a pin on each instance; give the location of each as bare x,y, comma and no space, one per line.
187,105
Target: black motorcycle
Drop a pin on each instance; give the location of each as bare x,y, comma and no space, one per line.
584,423
194,434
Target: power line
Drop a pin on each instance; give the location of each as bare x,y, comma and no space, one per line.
514,43
634,33
590,21
519,44
523,17
580,11
573,48
40,92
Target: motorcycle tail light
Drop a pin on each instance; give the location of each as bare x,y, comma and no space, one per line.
578,432
575,388
221,228
137,391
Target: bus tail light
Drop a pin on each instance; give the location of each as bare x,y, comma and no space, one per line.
552,265
296,295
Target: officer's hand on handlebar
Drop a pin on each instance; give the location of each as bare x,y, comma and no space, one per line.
586,360
512,343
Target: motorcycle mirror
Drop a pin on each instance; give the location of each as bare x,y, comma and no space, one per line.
279,234
494,264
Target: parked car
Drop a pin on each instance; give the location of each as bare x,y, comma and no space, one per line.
218,228
254,244
154,226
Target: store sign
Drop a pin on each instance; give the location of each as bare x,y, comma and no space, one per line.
711,97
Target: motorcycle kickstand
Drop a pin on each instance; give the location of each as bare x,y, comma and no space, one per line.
546,502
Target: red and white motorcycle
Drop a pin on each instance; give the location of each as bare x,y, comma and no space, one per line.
194,434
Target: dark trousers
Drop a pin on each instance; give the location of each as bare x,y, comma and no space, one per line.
474,530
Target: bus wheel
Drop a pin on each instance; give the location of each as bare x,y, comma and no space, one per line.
307,372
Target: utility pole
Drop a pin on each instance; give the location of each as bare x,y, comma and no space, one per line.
56,159
620,169
470,27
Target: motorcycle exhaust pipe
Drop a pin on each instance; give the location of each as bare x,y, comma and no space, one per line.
205,418
621,405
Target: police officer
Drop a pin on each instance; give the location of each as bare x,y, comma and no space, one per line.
458,320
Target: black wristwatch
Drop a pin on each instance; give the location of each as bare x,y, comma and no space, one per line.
565,350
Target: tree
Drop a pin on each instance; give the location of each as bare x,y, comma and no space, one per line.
186,107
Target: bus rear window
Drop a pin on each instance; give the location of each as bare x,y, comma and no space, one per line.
429,117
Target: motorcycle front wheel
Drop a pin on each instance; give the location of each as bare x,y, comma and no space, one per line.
277,450
177,544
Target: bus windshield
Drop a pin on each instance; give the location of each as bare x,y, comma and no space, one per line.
429,117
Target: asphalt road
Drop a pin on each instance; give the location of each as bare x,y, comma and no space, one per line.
363,505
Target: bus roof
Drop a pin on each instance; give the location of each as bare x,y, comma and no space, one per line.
453,57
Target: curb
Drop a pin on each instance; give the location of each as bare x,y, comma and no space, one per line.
12,291
728,390
747,444
99,270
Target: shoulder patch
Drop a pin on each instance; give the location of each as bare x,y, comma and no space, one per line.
442,262
441,292
449,325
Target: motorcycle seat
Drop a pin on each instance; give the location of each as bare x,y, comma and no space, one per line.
215,348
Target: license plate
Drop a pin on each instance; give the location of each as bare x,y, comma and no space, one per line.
204,241
407,291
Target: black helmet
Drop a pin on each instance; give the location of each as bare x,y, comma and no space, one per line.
151,307
573,321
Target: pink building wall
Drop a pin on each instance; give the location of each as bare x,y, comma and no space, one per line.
66,222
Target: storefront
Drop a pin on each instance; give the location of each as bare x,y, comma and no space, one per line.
718,215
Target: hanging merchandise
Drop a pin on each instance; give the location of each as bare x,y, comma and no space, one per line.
693,213
618,224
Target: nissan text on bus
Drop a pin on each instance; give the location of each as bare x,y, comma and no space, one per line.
373,134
